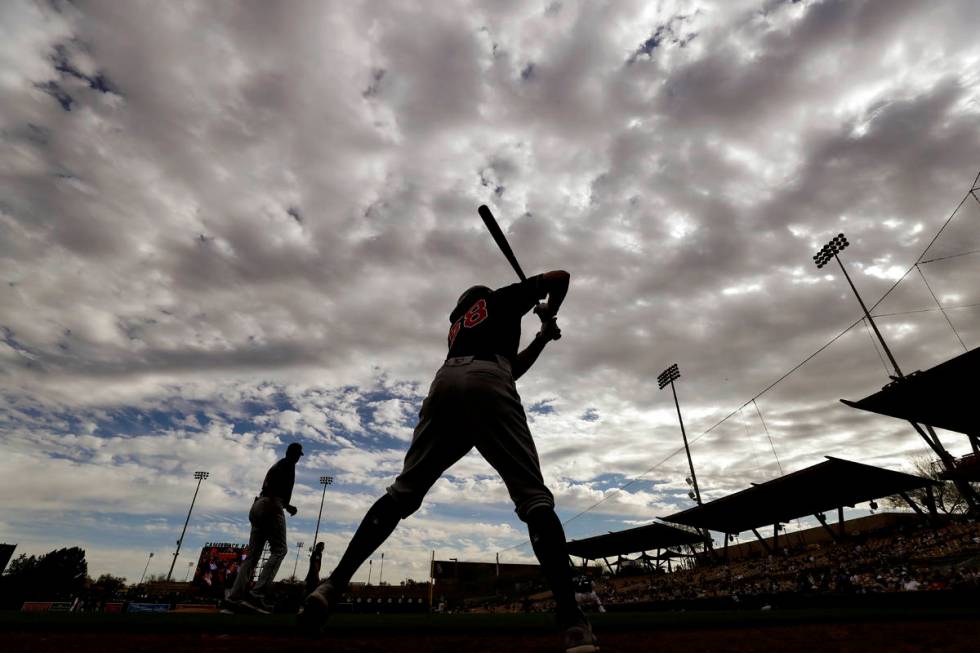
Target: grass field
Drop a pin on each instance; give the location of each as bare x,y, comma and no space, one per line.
796,631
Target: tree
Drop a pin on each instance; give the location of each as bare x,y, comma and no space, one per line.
948,498
57,575
107,584
21,565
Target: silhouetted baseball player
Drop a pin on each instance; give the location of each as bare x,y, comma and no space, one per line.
268,525
473,402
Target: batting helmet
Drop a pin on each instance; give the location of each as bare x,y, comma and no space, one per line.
466,300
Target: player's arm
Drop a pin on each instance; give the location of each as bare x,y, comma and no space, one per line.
555,285
525,359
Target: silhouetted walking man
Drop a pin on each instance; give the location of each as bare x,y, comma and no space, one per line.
268,525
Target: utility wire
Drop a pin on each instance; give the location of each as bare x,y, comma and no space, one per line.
938,233
711,428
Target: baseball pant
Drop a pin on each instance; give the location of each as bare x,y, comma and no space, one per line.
268,525
472,403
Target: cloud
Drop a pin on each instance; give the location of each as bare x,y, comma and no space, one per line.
221,232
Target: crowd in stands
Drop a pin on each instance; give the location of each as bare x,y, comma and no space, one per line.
909,558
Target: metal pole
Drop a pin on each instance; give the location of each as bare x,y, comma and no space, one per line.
690,462
200,477
299,547
867,314
381,572
370,566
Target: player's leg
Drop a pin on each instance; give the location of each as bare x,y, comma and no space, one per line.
375,527
504,439
256,542
429,455
274,522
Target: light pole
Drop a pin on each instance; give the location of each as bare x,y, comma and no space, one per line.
148,558
324,481
830,251
200,476
667,377
299,547
370,565
381,572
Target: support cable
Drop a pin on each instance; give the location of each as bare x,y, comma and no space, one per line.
763,420
874,343
924,310
945,258
940,306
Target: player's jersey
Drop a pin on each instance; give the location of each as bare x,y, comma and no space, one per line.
493,325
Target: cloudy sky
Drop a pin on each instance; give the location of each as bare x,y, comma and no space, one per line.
226,226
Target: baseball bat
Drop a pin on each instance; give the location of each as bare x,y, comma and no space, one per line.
501,240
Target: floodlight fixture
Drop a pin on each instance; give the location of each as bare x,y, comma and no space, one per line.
668,376
326,480
200,476
836,245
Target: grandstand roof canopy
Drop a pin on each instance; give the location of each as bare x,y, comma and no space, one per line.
644,538
822,487
943,396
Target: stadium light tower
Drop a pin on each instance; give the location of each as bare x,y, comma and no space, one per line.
667,377
299,547
830,251
324,481
200,476
148,558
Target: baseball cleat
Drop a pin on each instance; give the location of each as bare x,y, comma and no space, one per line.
312,617
579,639
257,603
247,605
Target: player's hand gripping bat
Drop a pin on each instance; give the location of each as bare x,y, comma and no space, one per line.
501,240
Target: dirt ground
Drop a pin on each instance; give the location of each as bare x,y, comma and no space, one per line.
885,637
